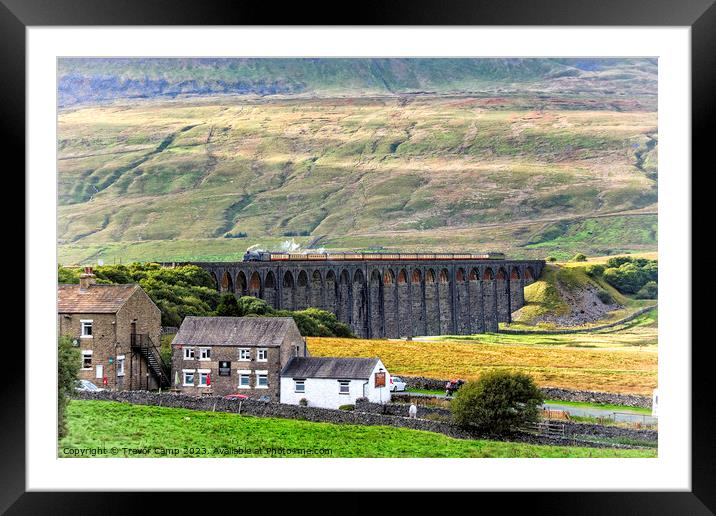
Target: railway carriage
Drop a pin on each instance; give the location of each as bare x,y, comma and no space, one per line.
265,256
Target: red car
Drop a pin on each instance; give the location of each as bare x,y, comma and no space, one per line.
236,396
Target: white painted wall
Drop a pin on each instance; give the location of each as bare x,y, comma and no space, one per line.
324,392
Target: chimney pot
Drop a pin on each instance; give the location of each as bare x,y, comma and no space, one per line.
87,278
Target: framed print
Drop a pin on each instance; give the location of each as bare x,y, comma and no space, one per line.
416,252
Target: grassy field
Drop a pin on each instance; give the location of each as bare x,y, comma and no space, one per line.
99,424
619,362
173,179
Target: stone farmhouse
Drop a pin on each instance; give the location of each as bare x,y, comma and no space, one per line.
330,382
226,355
117,329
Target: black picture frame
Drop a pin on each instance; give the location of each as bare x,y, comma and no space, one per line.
17,15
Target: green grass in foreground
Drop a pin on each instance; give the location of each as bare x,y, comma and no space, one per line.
95,424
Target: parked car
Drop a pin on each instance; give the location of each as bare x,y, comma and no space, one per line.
452,386
396,384
236,396
86,385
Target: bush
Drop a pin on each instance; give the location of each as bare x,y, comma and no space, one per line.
595,270
579,257
618,261
228,305
65,275
628,278
649,291
499,402
303,402
68,366
551,259
347,407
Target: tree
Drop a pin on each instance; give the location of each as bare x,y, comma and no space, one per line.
499,402
579,257
68,366
228,305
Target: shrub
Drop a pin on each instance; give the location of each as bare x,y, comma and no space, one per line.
347,407
551,259
618,261
579,257
228,305
499,402
594,270
65,275
68,366
628,278
649,291
303,402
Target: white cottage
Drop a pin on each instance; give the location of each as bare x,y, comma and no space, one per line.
331,382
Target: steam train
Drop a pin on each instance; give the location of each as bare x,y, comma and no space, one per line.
267,256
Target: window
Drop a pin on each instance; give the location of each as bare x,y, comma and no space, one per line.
204,377
344,387
298,350
188,353
188,377
262,355
244,354
300,385
87,359
86,329
204,353
244,379
120,365
262,379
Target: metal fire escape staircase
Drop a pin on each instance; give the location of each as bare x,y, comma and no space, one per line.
143,344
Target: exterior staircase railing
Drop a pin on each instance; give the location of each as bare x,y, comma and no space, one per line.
142,343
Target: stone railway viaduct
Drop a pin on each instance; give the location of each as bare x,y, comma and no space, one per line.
389,299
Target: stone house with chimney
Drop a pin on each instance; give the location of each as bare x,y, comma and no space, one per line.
117,329
226,355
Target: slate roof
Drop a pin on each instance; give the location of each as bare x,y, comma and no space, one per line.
329,367
234,331
97,299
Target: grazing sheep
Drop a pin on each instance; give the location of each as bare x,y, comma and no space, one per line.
413,411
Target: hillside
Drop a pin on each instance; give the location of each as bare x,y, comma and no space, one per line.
572,168
83,80
566,296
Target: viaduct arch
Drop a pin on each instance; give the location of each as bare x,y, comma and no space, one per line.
389,299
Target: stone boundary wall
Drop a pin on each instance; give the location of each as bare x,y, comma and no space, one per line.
570,428
400,409
551,393
628,400
583,429
316,414
619,322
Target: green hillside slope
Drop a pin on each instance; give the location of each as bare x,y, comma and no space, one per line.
93,79
205,177
566,296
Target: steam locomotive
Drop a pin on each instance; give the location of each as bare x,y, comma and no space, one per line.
268,256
